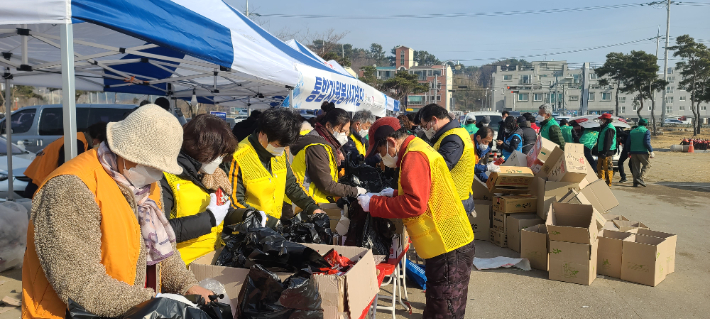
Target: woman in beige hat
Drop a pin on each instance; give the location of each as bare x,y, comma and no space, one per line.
98,234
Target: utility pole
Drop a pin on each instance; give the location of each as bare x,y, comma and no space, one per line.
665,59
247,8
650,89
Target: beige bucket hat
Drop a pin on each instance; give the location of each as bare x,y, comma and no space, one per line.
149,136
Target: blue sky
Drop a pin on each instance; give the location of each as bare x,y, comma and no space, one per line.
474,40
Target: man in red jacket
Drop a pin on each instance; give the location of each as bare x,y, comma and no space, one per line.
435,218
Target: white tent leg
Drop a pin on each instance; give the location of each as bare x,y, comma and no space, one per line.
8,129
290,98
66,35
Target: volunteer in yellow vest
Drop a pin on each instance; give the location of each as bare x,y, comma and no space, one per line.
317,156
97,234
454,144
190,198
52,156
359,125
260,175
428,203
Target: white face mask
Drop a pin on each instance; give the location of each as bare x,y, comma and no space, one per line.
275,151
141,176
388,160
212,166
363,133
540,118
341,137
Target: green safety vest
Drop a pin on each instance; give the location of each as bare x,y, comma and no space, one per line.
471,128
567,133
637,139
602,134
545,130
589,139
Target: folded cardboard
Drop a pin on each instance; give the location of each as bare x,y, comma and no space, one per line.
610,218
515,204
481,224
669,258
573,223
499,221
480,190
516,222
349,293
609,253
627,226
516,158
591,175
510,180
499,238
600,196
573,262
543,156
643,259
534,246
571,167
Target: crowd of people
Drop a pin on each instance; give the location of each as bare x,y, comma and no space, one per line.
148,196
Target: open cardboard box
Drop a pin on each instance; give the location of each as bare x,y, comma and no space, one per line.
510,180
481,224
548,193
516,158
543,156
534,245
350,293
669,258
515,204
609,254
629,226
600,196
516,222
480,190
574,223
571,167
645,259
573,262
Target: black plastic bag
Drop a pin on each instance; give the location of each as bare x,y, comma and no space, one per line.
308,229
75,311
213,308
155,308
264,296
359,174
369,232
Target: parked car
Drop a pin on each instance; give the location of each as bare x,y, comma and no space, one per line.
673,121
34,127
21,158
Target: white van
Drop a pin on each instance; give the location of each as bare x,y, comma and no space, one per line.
34,127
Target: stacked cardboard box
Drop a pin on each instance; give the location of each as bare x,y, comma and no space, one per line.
481,222
509,180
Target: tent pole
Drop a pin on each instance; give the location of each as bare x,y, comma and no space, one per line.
290,98
66,38
24,47
8,129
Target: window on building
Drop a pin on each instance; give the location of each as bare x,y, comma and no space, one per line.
622,109
669,100
430,73
574,97
537,97
592,76
525,79
670,70
671,78
415,100
703,108
682,108
606,96
401,57
669,89
438,98
649,107
635,108
554,98
682,98
508,77
576,77
622,99
437,72
669,109
591,96
523,96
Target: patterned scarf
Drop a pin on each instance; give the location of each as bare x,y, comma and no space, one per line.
158,236
324,133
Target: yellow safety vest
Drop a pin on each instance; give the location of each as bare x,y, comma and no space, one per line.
359,145
190,199
264,191
444,226
299,166
304,132
462,173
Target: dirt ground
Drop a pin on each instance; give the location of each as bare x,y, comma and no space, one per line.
676,167
673,135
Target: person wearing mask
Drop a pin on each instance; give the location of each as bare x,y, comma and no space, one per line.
361,122
98,235
566,131
501,125
576,131
427,201
189,198
454,144
317,156
260,175
483,138
52,156
606,146
246,127
531,120
641,150
512,137
470,125
529,135
550,129
589,140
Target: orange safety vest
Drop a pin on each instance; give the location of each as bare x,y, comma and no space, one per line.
120,238
46,160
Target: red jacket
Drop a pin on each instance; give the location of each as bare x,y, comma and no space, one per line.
415,178
535,127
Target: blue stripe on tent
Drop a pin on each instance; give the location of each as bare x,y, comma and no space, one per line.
164,23
305,51
296,54
145,69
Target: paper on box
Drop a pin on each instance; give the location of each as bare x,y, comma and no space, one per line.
571,167
499,238
573,223
516,158
609,253
350,293
642,260
573,262
515,204
516,222
534,246
510,180
671,238
481,224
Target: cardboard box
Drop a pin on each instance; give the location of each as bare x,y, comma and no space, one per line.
515,204
549,192
573,262
516,222
481,224
480,190
400,241
499,238
591,175
643,259
573,223
579,199
609,253
516,158
600,196
543,156
671,238
350,293
333,212
499,221
510,180
629,226
571,167
534,245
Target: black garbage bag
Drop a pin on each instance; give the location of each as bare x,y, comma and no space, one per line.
76,311
213,308
155,308
264,296
369,232
268,248
308,229
359,174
